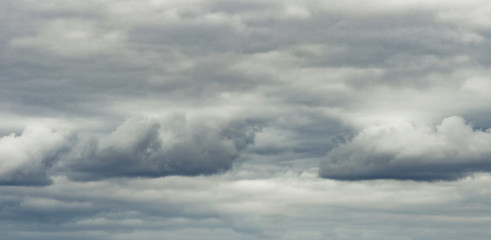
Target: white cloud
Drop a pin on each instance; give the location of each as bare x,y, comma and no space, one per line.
24,159
450,151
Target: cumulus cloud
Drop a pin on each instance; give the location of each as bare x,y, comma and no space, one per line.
149,148
25,159
450,151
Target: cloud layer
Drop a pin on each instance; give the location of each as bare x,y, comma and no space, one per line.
209,119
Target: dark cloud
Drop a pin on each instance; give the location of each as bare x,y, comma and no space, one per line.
146,148
452,151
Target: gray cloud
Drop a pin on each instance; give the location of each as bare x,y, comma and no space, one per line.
338,68
146,148
241,208
265,90
453,150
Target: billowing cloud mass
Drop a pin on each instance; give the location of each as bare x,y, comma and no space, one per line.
217,119
25,159
147,148
450,151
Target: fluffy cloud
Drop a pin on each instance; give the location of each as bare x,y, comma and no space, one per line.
450,151
139,147
25,159
148,148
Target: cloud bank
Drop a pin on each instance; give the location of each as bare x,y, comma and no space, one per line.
139,147
450,151
215,119
147,148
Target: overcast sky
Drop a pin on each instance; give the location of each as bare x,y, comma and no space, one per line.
217,119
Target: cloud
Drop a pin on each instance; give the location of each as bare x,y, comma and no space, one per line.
243,208
25,159
450,151
148,148
308,72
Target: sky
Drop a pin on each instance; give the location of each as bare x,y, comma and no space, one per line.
215,119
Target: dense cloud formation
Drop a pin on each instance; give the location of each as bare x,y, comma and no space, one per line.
451,151
25,159
146,148
210,119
